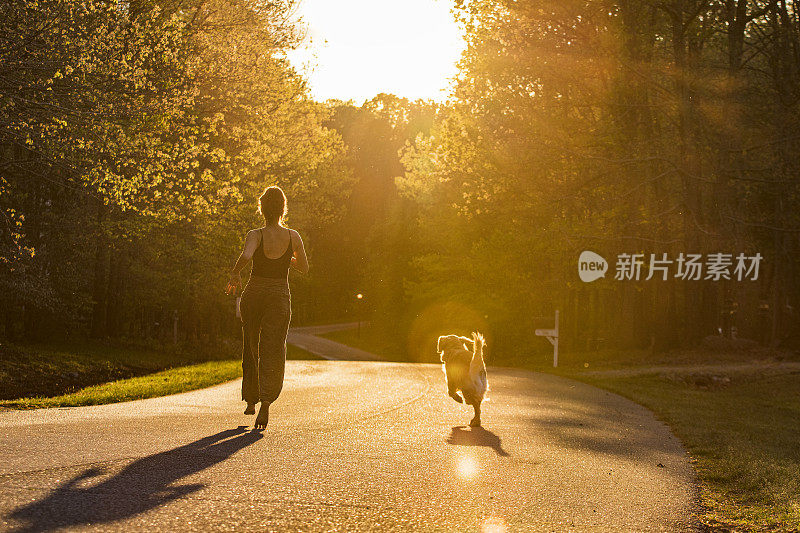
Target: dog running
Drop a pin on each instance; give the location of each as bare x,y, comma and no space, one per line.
464,369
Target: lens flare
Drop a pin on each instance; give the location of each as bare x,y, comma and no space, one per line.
494,525
467,467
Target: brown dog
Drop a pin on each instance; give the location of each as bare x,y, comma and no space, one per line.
465,370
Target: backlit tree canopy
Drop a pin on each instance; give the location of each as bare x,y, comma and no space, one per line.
135,137
617,127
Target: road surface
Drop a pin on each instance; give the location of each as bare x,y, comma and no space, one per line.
306,338
353,446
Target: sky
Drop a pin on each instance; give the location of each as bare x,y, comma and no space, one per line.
356,49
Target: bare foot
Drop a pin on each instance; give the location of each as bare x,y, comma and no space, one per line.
263,416
475,422
251,409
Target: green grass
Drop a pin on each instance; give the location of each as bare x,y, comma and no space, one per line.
57,376
52,370
743,434
738,415
172,381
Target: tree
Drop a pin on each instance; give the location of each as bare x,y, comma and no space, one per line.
135,137
609,126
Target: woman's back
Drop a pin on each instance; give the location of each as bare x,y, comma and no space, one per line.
274,254
274,241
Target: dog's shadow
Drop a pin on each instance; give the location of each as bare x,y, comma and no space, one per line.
476,436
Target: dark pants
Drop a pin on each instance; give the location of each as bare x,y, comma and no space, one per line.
266,311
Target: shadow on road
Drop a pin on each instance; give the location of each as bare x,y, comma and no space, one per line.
469,436
604,430
145,484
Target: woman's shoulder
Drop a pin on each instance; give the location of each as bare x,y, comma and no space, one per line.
294,236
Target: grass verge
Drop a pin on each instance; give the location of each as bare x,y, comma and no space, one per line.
740,427
172,381
91,362
738,415
52,370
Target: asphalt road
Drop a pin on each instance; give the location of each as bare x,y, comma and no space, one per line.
306,338
351,446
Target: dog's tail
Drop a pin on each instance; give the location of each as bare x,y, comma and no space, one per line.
477,367
477,352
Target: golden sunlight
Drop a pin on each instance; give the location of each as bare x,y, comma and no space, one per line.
494,525
356,49
467,467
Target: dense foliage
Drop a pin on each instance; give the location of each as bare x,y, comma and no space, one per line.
135,138
617,127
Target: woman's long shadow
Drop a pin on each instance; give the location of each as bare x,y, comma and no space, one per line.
478,436
145,484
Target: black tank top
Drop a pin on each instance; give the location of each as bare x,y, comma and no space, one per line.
264,267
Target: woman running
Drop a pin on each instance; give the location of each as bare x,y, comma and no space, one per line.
266,302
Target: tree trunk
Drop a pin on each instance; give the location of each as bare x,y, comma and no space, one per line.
99,285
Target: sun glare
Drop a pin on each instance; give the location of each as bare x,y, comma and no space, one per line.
467,467
494,525
356,49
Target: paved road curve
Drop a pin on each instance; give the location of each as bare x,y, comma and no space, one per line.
306,338
351,446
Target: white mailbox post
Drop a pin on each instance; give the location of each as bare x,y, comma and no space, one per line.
552,336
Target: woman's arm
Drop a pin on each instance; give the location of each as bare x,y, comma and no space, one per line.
299,261
250,245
